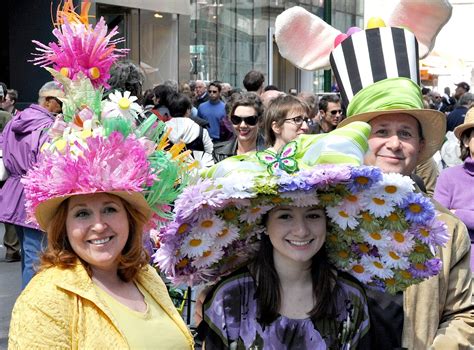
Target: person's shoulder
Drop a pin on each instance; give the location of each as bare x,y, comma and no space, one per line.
236,282
43,290
350,285
451,171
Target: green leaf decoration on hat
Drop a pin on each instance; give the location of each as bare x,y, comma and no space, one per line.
284,159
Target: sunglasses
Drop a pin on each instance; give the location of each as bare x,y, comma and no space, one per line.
250,120
336,111
213,91
299,120
59,102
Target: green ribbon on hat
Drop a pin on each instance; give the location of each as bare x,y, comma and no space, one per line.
346,145
385,95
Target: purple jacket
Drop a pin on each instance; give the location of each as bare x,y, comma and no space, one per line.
21,141
454,191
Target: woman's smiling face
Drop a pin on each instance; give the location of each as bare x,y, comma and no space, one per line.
296,233
97,227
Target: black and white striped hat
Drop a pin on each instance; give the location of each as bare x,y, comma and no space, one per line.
372,55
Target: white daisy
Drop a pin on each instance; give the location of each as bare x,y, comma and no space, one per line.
359,271
209,225
401,242
237,186
302,198
342,218
195,245
379,239
377,205
394,259
228,234
120,105
252,214
202,160
209,257
394,187
351,203
376,267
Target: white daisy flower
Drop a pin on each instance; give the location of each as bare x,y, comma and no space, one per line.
401,242
394,187
195,245
228,234
120,105
209,257
359,271
201,159
252,214
237,186
379,239
376,267
393,259
377,205
342,218
351,204
209,225
302,198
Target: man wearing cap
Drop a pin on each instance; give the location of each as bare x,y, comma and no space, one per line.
437,313
456,117
21,142
461,89
377,70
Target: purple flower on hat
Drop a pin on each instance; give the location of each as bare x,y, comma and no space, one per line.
327,175
363,178
427,269
195,199
290,183
418,208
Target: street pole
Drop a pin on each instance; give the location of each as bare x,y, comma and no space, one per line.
327,18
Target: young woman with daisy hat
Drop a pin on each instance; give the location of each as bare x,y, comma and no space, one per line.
97,185
284,238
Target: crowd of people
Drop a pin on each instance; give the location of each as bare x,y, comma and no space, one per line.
313,222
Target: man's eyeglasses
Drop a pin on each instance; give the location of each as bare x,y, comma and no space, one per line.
336,111
299,120
213,91
59,102
250,120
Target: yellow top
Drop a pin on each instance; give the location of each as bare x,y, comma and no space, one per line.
145,330
61,309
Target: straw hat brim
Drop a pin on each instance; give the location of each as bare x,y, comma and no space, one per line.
433,125
46,210
468,124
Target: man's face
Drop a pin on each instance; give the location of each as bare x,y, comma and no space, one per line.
214,94
459,92
200,89
53,104
7,103
333,115
394,143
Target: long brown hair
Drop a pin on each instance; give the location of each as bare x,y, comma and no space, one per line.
60,253
269,287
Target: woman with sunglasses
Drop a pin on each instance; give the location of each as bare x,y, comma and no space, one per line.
244,111
284,120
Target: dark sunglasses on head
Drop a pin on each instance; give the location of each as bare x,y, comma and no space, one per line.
250,120
56,99
299,120
336,111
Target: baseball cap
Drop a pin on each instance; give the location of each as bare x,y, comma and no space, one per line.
464,85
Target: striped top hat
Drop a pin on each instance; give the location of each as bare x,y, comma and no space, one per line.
372,55
376,69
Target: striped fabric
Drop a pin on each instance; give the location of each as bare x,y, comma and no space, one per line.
372,55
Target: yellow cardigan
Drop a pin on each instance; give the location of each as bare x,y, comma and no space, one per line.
60,309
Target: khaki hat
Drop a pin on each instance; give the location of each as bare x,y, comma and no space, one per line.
468,123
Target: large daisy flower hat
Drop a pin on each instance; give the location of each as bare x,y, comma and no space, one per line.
379,230
97,146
